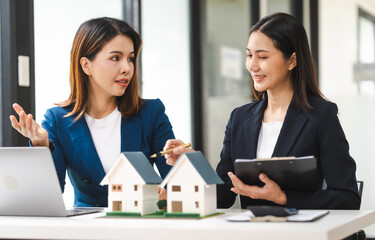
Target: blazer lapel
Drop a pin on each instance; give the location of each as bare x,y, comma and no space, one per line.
294,121
252,128
131,132
81,136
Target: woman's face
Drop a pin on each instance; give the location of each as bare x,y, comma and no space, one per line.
269,70
112,69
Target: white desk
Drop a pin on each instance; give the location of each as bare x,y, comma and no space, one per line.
336,225
370,231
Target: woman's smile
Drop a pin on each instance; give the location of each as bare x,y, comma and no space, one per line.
258,77
122,82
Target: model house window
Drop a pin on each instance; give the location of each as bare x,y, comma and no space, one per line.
135,188
136,203
196,188
176,188
196,204
116,187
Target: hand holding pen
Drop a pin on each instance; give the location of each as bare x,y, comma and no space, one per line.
162,153
174,148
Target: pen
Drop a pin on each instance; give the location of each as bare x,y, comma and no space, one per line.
187,145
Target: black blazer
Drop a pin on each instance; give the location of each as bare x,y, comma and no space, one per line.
317,132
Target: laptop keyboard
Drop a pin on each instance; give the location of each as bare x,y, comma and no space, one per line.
83,210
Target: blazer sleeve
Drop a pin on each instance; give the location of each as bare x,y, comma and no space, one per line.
49,123
162,131
225,197
338,169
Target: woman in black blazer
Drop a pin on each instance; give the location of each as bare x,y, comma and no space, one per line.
289,118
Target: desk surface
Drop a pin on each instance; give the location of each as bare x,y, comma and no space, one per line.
336,225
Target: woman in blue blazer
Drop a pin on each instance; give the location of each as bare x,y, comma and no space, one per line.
104,114
289,118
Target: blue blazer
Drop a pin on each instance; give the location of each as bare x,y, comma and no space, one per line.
75,152
316,132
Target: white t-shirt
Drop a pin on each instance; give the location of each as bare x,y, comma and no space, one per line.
106,135
268,135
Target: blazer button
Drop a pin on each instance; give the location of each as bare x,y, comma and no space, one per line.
87,181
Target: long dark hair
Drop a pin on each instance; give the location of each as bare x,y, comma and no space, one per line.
289,36
90,38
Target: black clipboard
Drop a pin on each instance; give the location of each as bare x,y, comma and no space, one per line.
290,173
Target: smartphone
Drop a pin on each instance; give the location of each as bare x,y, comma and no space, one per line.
277,211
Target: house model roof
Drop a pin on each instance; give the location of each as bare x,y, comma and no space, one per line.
141,164
201,165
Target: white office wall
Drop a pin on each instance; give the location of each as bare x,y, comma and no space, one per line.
1,82
56,23
165,59
338,37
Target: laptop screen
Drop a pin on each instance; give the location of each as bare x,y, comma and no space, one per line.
29,183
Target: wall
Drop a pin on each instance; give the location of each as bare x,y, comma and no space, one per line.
226,81
1,84
166,60
338,53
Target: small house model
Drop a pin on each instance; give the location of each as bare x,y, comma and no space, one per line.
191,185
132,184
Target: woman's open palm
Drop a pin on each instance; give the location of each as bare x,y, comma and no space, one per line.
28,127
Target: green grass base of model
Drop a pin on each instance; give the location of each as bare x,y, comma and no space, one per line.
159,214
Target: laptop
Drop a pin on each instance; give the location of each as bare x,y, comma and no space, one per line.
29,185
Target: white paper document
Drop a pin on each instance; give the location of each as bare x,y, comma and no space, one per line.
301,216
240,217
307,215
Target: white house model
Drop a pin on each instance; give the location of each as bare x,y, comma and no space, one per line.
132,184
191,185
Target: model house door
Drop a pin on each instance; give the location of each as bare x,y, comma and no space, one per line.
176,206
117,206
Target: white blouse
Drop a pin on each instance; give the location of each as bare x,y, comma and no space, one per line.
268,135
106,135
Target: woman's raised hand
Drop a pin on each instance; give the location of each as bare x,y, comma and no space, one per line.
28,127
177,151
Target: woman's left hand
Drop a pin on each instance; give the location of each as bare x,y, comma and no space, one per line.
270,191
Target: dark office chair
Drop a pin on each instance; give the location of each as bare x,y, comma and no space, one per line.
360,188
361,235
